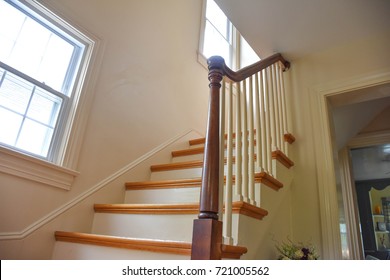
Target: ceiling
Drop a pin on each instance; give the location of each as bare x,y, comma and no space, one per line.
298,28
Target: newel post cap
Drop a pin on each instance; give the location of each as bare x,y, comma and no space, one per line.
215,62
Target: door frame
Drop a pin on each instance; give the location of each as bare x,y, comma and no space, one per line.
325,162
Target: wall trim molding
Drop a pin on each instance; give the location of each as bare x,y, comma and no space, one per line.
34,169
60,210
323,137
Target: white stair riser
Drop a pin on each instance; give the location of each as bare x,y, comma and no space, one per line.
76,251
176,195
163,196
188,173
196,157
176,227
187,158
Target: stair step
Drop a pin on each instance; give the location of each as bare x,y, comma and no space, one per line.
261,177
277,154
159,246
197,141
282,158
177,166
174,247
287,137
239,207
147,208
188,152
164,184
154,221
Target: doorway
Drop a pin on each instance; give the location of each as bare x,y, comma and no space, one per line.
356,123
371,169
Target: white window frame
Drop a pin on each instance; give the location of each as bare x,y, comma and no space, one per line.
60,170
235,48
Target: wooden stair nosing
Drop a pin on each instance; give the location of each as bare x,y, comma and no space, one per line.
188,152
176,166
164,184
159,246
289,138
147,208
238,207
268,180
282,158
261,177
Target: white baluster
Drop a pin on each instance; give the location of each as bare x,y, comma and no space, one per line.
284,110
227,221
259,126
251,150
263,121
278,105
273,107
244,121
221,148
238,143
268,120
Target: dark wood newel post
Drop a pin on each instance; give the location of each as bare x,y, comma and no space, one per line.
207,232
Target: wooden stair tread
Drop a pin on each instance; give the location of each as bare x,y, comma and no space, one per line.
277,155
190,208
261,177
238,207
159,246
176,165
178,183
188,152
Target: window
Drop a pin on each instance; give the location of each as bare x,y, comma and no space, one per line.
220,37
42,60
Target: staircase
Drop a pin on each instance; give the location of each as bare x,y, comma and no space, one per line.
226,176
155,221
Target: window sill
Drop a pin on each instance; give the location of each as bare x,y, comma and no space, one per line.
37,170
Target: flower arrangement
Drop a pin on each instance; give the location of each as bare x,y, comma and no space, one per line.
296,251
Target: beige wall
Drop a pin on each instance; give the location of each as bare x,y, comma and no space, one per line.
311,77
150,89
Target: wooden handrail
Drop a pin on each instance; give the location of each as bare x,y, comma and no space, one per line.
250,70
207,232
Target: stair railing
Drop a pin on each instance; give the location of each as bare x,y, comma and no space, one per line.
247,111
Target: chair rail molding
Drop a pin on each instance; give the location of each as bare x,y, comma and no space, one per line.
23,233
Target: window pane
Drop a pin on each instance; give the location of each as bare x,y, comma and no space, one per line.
33,48
35,138
15,93
247,55
57,56
216,16
9,126
215,44
13,21
44,107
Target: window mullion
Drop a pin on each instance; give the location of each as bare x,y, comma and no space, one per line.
25,116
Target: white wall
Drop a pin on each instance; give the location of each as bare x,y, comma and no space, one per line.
311,78
150,89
